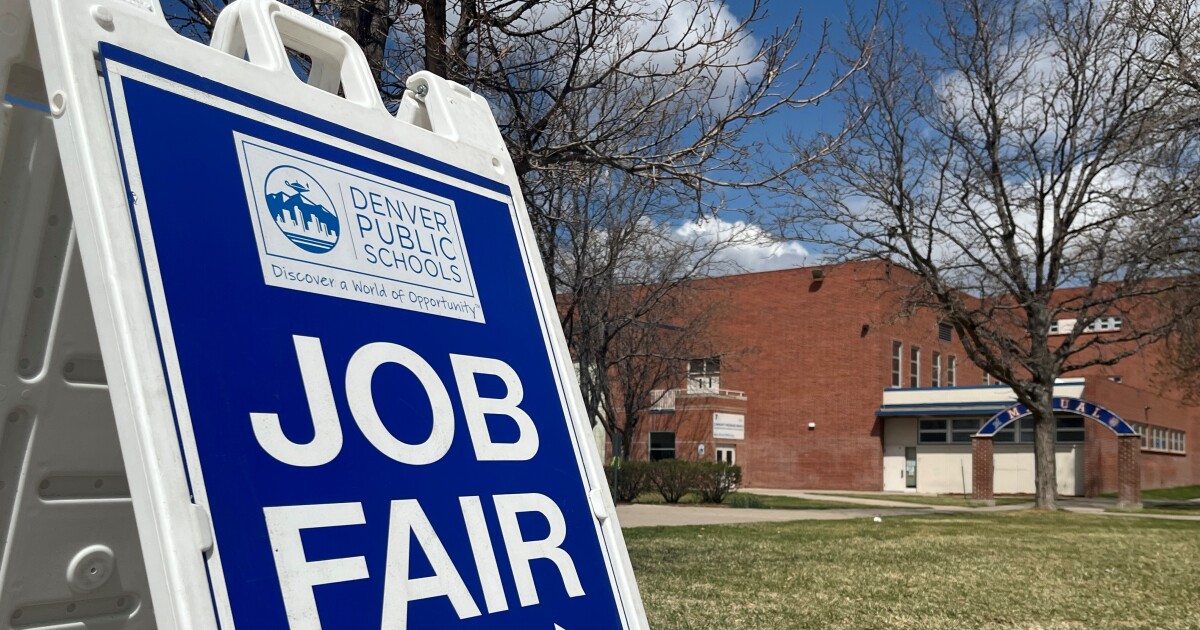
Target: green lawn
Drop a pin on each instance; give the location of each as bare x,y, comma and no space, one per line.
759,501
938,500
775,502
1181,509
1180,493
1023,570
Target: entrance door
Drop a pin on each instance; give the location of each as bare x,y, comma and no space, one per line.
910,467
727,453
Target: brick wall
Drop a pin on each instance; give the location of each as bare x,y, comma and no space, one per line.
692,424
806,351
1158,469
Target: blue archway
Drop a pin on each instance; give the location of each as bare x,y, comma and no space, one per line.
1075,406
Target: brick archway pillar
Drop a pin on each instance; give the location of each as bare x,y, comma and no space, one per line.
1129,471
983,470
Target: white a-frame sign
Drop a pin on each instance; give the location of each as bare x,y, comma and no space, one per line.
271,357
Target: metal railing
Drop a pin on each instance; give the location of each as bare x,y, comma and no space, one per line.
664,400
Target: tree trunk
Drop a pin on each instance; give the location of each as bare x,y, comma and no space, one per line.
1045,474
626,444
435,36
368,22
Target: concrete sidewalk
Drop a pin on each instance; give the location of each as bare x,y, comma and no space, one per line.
646,515
881,502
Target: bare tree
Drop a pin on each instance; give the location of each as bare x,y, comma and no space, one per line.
631,310
668,91
1017,159
1174,30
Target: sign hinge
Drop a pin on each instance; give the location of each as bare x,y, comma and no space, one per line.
596,498
204,528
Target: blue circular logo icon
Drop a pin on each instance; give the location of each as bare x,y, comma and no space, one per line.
301,209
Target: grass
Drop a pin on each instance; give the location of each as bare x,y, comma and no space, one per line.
937,500
1181,493
757,501
1177,509
775,502
1022,570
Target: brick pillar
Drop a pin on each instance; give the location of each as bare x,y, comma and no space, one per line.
982,471
1129,472
1093,459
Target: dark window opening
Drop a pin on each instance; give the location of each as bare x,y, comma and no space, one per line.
662,445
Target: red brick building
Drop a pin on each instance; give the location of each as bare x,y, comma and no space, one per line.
821,382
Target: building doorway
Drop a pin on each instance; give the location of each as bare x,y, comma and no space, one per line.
727,453
910,467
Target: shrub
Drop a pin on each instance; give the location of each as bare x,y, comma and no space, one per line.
740,500
629,481
715,480
673,478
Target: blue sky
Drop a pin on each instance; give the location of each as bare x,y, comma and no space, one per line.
825,117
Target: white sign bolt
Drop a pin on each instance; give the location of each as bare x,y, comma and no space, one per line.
90,568
58,104
103,17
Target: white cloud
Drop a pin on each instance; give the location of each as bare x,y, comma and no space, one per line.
745,247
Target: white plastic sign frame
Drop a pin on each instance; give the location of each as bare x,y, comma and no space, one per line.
208,190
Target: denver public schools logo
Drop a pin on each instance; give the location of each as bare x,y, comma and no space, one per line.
301,209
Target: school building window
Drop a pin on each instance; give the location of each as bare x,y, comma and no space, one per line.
1143,433
704,375
1104,324
956,430
662,445
1161,438
1070,430
914,367
897,358
951,371
960,430
935,379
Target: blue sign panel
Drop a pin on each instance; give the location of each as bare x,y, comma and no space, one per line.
362,377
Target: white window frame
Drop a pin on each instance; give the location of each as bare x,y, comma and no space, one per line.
704,375
1023,431
952,371
948,430
914,366
1104,324
935,363
727,453
1161,439
897,363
